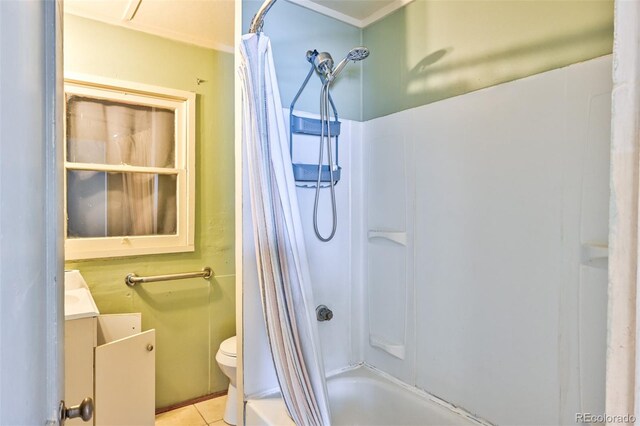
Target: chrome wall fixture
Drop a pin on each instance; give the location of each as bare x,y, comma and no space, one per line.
323,313
132,279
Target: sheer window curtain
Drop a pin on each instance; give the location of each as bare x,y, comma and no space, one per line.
283,271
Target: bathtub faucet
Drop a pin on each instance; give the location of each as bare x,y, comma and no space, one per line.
323,313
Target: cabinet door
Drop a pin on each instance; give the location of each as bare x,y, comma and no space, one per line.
125,381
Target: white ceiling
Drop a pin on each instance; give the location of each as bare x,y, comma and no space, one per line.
355,12
209,23
358,9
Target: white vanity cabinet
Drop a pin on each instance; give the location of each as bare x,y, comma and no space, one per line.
108,358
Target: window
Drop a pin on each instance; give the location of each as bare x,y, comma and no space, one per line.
129,168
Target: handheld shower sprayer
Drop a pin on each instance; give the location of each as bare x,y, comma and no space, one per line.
356,54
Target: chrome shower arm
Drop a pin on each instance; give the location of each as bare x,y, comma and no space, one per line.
258,18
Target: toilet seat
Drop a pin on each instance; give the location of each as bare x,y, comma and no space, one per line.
228,347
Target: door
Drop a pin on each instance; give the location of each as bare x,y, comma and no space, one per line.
623,365
31,251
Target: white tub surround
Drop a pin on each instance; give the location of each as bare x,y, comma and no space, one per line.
485,238
474,266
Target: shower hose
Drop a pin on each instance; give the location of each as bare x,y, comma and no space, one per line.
325,123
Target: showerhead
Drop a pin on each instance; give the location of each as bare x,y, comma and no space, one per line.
358,53
355,54
323,63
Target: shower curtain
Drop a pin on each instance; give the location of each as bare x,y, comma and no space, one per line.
283,270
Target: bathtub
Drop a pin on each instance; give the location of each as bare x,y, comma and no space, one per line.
364,396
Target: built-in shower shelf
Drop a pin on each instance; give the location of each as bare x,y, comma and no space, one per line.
379,342
595,254
396,237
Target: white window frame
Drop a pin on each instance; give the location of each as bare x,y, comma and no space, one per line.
184,105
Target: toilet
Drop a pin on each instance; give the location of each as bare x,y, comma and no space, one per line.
226,358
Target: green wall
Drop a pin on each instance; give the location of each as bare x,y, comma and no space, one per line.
431,49
191,317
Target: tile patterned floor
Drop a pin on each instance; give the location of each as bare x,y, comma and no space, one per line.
205,413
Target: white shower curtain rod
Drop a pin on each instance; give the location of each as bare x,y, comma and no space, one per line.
258,18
